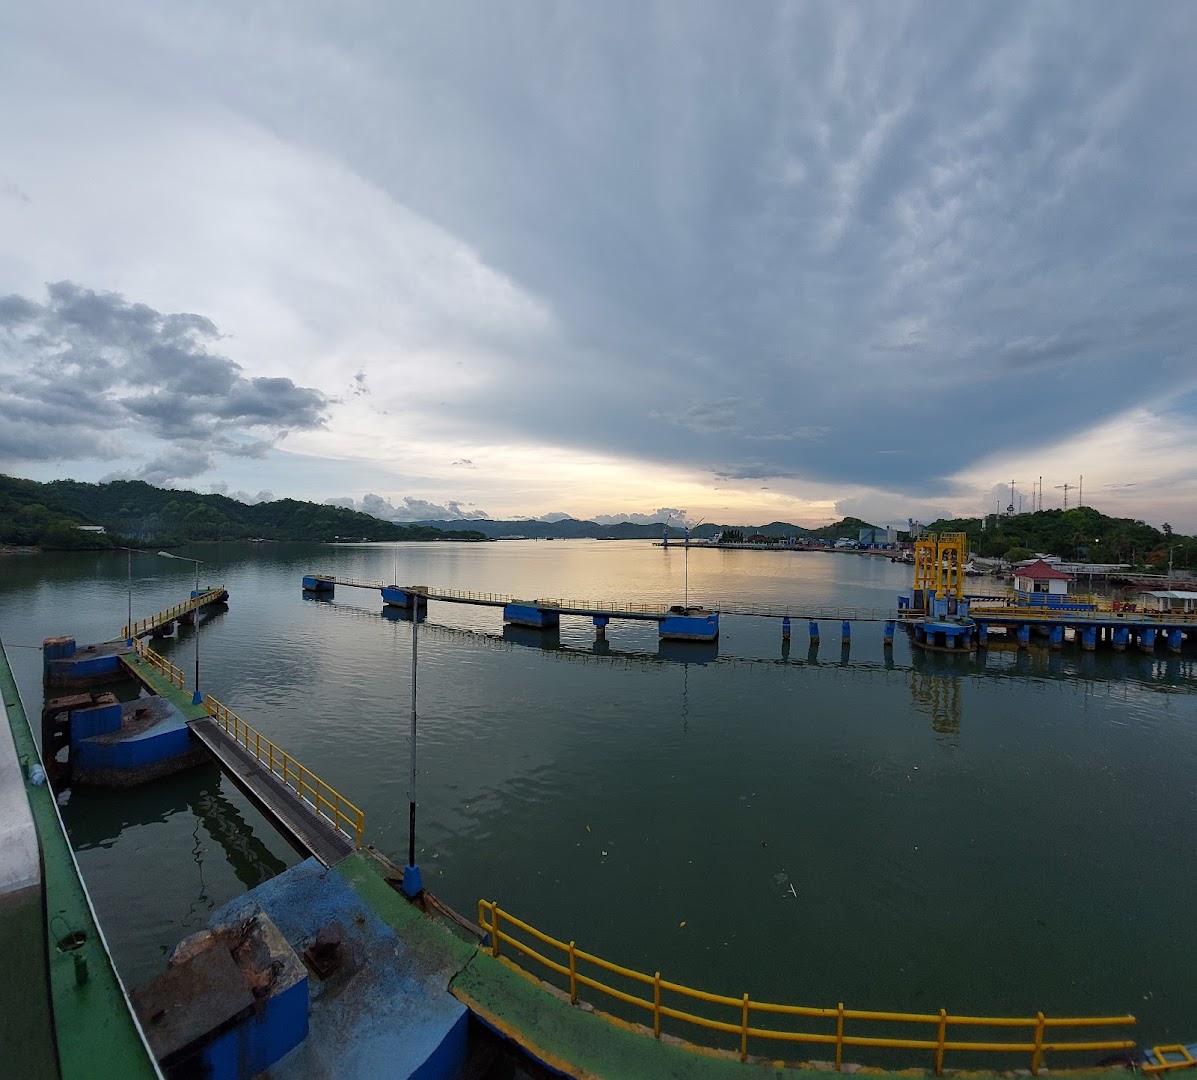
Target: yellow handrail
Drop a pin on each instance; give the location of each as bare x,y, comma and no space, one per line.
159,663
324,799
490,915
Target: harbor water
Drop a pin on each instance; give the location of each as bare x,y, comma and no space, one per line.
1001,833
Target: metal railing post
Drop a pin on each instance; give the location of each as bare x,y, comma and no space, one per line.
744,1032
657,1005
1037,1053
943,1030
573,973
494,930
839,1036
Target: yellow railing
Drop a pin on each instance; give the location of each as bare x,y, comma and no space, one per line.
146,625
159,663
494,921
325,800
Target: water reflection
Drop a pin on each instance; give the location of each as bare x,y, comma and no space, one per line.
96,819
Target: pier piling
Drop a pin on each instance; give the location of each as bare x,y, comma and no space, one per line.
814,632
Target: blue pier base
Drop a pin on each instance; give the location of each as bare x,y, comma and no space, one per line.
396,596
785,629
525,613
311,583
131,743
1175,638
689,624
413,882
1121,637
846,633
65,665
889,633
1089,638
814,632
1056,637
1147,641
600,626
1024,635
386,1011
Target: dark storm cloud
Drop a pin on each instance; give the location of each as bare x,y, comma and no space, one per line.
89,374
773,237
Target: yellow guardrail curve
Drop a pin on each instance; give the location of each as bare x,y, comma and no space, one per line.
494,921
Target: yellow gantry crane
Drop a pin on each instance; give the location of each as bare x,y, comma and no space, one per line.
939,565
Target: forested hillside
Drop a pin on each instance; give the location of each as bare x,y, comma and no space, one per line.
47,515
1082,533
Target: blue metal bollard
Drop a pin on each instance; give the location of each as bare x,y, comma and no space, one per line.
889,633
814,631
846,633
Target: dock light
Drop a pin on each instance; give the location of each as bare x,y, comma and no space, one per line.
129,569
412,884
196,697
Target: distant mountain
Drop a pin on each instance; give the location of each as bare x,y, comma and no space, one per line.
575,529
49,515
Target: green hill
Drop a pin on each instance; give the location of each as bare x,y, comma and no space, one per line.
131,511
1082,533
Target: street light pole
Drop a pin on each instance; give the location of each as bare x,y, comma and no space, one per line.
129,624
196,697
412,883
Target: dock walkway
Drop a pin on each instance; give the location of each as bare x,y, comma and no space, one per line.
300,819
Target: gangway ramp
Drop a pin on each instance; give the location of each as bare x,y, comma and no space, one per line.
314,817
306,831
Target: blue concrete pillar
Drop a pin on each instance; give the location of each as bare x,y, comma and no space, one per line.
1174,640
1089,638
983,634
785,629
1057,637
1121,635
526,613
1147,640
846,633
600,626
814,631
1024,635
889,632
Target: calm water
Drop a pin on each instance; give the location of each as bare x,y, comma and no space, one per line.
1000,834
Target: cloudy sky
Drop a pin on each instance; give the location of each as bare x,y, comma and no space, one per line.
751,261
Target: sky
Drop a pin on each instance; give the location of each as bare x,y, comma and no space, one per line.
733,262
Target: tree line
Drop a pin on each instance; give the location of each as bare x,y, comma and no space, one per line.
134,513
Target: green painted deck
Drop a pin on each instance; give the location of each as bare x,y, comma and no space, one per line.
93,1021
162,686
573,1039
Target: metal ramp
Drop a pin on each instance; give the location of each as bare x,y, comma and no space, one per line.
306,830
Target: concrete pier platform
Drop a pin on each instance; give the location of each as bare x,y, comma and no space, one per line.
384,1008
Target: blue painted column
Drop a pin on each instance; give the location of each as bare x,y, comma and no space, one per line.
1174,639
1024,635
814,632
982,634
889,632
1147,640
846,633
1121,635
600,626
785,629
1089,638
1056,639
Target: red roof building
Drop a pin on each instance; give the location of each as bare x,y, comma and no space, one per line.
1040,577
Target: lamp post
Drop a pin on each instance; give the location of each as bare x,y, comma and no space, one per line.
196,697
412,885
129,572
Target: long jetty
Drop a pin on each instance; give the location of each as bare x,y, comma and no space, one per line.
1089,620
